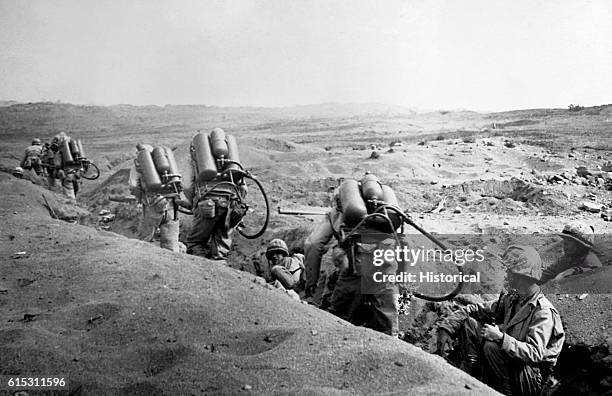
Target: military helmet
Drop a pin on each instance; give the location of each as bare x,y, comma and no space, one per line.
18,171
277,245
36,142
523,260
585,235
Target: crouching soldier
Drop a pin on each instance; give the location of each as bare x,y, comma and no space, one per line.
513,343
578,255
285,268
215,194
155,182
31,158
18,172
357,296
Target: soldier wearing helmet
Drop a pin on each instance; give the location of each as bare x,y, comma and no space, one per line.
578,255
512,344
31,158
18,172
355,297
285,268
156,208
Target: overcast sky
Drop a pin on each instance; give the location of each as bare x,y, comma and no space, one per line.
480,55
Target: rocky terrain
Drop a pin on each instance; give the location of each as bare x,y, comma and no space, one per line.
102,299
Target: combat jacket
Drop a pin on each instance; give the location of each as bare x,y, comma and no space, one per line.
532,329
33,151
293,263
315,245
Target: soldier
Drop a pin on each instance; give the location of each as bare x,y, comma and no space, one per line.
57,168
355,298
18,172
284,268
156,209
216,200
317,244
31,158
578,254
512,343
51,162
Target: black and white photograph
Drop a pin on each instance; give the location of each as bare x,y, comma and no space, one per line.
305,197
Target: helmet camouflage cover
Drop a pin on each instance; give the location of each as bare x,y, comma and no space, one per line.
523,260
277,245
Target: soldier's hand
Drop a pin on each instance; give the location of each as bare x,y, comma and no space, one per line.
444,343
491,333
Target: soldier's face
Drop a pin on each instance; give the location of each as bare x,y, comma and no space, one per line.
276,258
517,282
571,247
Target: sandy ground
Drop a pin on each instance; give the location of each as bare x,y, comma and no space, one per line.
118,316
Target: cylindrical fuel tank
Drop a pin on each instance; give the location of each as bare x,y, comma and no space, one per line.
67,158
74,149
232,150
150,176
81,150
371,189
171,161
218,144
203,157
389,198
353,206
161,162
176,177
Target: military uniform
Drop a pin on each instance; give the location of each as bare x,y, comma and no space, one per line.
31,158
216,213
289,272
315,247
68,176
357,297
571,265
156,214
531,333
532,341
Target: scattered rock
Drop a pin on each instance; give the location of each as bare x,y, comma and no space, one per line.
583,296
19,255
29,317
22,282
591,206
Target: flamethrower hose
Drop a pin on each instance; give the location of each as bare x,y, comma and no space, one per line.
96,173
435,240
265,225
263,193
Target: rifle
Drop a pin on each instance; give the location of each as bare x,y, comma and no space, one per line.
122,198
300,212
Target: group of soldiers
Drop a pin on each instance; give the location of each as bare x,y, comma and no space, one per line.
47,160
511,343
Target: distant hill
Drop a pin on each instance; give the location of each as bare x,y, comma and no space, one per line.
344,109
4,103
